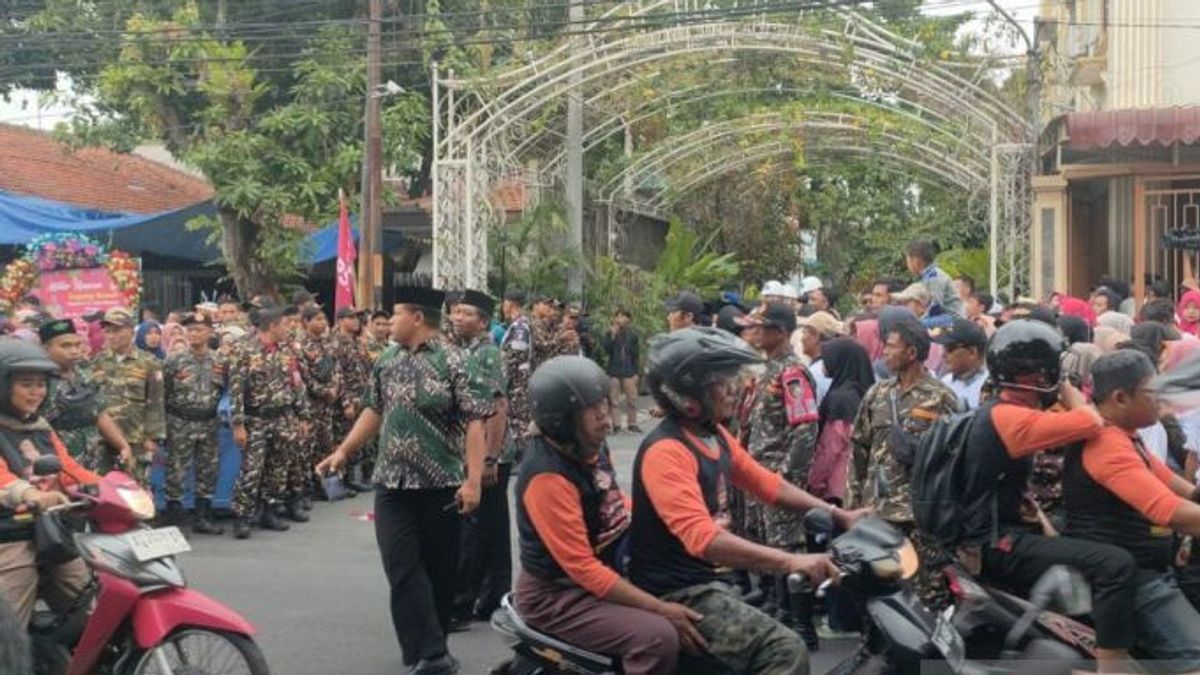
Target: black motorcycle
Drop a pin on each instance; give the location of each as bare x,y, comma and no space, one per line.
983,629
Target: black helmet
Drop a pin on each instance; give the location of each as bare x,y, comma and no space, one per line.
1025,346
18,356
683,363
561,387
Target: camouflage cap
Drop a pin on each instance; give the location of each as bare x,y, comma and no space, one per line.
118,316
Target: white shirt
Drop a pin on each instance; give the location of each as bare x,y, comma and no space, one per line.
968,390
1154,437
823,381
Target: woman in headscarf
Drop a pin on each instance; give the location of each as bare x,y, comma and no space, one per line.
1077,360
1078,308
148,338
1122,323
1188,310
850,373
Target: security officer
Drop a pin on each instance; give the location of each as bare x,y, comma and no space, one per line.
355,367
192,383
485,563
266,396
131,382
322,379
429,407
74,405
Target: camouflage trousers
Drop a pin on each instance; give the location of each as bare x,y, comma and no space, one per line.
741,639
319,442
778,528
192,444
269,463
86,446
930,582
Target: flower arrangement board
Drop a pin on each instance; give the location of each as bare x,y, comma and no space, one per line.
73,275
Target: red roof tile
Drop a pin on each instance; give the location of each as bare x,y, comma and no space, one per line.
32,163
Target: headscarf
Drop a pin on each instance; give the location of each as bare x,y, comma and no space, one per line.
866,333
139,338
174,338
1191,297
1122,323
1107,338
1178,351
1078,308
849,369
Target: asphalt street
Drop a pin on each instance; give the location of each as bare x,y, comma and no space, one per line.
318,596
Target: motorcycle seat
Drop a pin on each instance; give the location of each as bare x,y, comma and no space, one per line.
508,621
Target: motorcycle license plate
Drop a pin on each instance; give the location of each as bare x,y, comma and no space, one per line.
157,543
947,640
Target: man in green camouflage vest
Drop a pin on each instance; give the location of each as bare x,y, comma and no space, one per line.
192,383
131,382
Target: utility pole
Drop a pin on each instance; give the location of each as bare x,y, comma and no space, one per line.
370,226
574,178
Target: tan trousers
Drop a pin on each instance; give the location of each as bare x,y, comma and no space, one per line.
19,580
627,386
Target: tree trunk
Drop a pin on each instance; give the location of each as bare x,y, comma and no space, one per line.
239,243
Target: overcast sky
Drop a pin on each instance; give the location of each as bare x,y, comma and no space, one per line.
25,108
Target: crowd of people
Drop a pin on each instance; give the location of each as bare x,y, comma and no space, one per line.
765,412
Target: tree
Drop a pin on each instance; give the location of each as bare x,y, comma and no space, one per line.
275,156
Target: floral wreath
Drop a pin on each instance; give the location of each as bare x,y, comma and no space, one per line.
53,252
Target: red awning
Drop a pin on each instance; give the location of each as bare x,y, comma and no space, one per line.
1150,126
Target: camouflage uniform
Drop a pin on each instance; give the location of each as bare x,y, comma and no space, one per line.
72,405
192,386
516,351
266,395
132,386
780,446
549,342
322,381
873,463
354,365
741,638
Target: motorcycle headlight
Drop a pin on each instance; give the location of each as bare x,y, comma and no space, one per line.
907,555
138,501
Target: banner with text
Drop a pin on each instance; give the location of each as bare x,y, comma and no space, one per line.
76,292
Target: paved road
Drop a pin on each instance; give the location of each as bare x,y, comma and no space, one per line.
319,598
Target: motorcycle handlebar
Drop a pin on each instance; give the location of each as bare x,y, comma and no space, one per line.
798,583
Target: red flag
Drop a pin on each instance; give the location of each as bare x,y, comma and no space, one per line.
344,297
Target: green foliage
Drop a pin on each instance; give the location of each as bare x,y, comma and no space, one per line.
274,157
690,263
972,262
530,253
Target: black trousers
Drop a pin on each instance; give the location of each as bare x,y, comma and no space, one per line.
485,558
418,535
1017,560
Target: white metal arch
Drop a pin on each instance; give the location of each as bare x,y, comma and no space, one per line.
505,129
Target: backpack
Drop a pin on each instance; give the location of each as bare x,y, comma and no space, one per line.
943,508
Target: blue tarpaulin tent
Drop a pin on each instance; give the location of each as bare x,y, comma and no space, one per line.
23,219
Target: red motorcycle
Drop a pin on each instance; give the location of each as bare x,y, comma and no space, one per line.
137,616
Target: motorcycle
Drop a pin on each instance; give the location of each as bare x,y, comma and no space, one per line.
876,562
137,616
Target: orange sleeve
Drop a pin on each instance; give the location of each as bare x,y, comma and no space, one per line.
751,476
669,475
553,505
6,476
1111,460
70,467
1026,431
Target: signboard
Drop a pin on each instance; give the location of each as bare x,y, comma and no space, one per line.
76,292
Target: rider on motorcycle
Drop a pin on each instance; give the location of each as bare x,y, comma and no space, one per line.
1006,547
681,546
1117,493
25,436
572,519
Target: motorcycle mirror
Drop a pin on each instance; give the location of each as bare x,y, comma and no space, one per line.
1064,589
818,520
47,465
